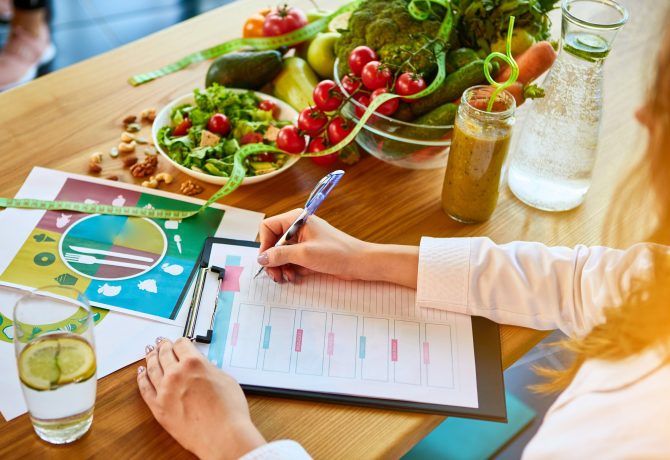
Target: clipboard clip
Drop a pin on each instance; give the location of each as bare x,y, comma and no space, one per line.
191,320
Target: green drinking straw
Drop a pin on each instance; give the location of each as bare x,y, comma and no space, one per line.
509,59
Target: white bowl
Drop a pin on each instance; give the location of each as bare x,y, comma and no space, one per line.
163,119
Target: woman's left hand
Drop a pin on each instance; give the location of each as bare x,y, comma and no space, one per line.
203,408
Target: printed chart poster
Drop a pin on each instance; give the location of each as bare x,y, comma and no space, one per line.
132,264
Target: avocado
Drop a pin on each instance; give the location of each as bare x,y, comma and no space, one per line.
245,69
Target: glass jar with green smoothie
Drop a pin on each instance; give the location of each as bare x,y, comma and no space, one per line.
478,151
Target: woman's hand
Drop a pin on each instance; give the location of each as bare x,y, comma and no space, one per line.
203,408
322,248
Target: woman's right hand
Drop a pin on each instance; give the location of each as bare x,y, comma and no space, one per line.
321,248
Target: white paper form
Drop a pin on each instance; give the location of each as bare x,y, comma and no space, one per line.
332,336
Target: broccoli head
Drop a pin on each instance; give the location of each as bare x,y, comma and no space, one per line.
387,27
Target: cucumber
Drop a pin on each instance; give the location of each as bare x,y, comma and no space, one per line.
245,69
442,116
295,83
459,58
469,75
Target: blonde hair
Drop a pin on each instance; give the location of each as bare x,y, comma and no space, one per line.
643,319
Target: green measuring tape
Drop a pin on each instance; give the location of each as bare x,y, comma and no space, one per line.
28,203
419,9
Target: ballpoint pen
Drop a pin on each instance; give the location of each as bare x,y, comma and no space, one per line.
315,199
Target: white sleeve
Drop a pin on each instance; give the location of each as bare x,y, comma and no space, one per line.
278,450
527,284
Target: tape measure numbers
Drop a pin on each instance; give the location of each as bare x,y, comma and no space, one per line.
27,203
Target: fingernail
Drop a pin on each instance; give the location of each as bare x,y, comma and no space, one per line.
159,340
263,259
148,349
140,369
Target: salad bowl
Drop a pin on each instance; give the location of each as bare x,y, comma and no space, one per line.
163,118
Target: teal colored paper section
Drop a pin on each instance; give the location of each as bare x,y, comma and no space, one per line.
361,347
468,439
224,311
266,337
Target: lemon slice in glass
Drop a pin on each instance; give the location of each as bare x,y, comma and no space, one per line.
37,364
76,360
53,361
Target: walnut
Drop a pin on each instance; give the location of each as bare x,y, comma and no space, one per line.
128,119
146,168
190,188
112,177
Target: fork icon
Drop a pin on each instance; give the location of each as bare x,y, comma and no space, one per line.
90,260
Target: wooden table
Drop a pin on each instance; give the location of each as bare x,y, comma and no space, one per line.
60,119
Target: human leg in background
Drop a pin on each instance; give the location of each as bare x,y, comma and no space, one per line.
5,10
28,45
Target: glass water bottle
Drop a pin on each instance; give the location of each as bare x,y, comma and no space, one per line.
552,165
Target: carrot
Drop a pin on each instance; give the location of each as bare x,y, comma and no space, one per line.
522,92
532,63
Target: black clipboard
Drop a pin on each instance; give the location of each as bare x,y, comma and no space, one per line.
488,365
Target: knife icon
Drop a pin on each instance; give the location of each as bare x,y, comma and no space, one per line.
120,255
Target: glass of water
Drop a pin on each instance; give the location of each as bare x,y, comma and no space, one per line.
55,355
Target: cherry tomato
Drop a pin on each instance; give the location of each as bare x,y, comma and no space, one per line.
351,83
269,106
290,140
312,120
182,128
409,83
253,27
364,100
338,129
219,124
318,145
327,96
375,75
251,138
360,56
283,20
388,108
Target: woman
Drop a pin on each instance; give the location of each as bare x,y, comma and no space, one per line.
615,306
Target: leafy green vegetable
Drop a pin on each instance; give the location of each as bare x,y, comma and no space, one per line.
402,41
481,23
245,118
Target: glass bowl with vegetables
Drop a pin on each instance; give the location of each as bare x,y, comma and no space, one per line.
401,46
199,133
419,144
